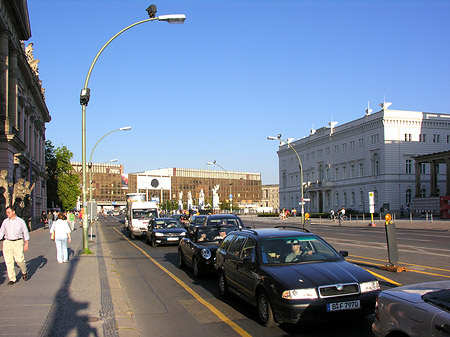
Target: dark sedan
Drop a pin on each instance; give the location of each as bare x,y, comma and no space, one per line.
164,231
224,219
290,274
198,249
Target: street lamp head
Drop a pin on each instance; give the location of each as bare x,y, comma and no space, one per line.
125,128
151,10
84,96
271,138
209,163
173,18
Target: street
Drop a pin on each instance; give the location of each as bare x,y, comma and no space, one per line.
168,301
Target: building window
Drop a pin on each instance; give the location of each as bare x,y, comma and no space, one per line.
361,142
345,199
352,145
344,147
327,150
375,165
337,199
422,138
284,180
408,166
320,153
361,198
344,173
408,196
448,138
353,198
423,168
361,170
336,173
423,193
336,149
353,170
436,138
374,138
375,197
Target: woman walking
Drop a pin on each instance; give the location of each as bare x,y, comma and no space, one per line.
62,236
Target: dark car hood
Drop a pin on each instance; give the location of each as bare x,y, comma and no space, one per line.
310,275
169,230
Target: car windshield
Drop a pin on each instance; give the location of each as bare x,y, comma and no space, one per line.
223,222
212,234
167,223
144,213
300,249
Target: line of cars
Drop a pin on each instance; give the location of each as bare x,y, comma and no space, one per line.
290,274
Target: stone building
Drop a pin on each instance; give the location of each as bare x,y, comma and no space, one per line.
375,153
270,196
23,112
245,186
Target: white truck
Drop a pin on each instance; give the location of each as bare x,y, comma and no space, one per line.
138,215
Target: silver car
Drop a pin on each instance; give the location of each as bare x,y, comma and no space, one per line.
414,310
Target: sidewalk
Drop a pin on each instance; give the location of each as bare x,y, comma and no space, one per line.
79,298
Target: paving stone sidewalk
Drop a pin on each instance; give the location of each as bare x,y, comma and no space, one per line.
80,298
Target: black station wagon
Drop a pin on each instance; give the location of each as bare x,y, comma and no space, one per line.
292,275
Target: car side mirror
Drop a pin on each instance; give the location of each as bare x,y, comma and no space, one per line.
343,253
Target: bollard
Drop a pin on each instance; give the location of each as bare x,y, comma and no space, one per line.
391,238
307,224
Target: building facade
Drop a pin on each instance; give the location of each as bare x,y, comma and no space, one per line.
375,153
106,182
23,112
245,187
270,197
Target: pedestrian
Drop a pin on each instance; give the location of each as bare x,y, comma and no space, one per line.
16,235
294,213
50,219
62,236
72,221
44,219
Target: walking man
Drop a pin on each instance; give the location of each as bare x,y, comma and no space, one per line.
16,235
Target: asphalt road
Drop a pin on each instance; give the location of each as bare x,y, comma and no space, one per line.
168,301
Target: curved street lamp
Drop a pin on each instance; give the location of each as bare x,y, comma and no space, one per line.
229,181
84,100
126,128
300,167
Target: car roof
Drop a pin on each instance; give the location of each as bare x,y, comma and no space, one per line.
223,216
166,219
276,232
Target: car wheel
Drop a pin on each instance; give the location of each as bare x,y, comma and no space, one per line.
181,263
147,241
222,285
197,268
265,310
153,243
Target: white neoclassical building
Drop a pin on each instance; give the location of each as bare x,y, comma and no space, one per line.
375,153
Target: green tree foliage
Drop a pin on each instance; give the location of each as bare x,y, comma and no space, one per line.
51,170
67,182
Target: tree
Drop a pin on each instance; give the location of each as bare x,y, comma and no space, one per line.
68,183
51,170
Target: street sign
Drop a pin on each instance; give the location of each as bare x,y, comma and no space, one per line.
231,196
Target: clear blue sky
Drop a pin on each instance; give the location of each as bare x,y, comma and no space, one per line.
235,72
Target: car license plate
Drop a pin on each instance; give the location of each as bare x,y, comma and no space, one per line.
172,239
349,305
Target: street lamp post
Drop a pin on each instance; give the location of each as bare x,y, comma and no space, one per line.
300,167
125,128
229,182
84,100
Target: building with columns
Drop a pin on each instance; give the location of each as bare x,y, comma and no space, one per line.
23,112
375,153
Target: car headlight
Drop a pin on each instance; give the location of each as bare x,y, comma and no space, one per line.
206,253
300,294
159,234
369,286
183,234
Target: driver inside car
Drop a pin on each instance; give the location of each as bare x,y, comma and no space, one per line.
296,252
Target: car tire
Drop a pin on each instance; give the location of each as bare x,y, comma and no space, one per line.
265,312
198,272
153,243
181,263
222,285
147,241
